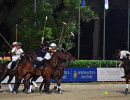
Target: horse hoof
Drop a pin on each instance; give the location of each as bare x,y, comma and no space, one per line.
44,91
48,92
36,88
32,91
40,92
13,92
24,90
1,91
28,92
60,92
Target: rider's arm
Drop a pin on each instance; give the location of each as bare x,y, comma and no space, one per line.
42,40
13,51
120,63
22,53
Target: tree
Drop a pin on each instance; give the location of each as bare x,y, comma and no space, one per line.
21,13
98,7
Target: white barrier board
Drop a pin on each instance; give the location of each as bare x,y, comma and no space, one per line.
40,79
110,74
103,74
7,78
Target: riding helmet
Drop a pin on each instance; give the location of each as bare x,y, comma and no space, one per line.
19,44
53,45
117,52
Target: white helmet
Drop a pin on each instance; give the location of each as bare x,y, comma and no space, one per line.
53,45
14,43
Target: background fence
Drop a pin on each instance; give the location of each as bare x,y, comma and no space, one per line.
88,75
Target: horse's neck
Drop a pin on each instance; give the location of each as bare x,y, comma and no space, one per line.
53,61
61,65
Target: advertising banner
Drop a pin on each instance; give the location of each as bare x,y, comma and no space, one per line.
110,74
84,74
79,75
87,75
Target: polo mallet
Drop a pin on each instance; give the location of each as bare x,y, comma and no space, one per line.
44,26
5,40
16,31
72,34
62,33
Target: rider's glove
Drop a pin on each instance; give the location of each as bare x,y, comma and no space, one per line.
42,38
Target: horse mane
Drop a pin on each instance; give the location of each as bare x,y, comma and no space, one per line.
59,62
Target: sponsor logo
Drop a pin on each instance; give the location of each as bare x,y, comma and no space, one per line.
75,74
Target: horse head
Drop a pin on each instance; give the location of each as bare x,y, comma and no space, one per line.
64,55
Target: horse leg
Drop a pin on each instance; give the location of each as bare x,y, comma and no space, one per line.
126,90
59,86
2,77
40,88
48,87
34,83
26,86
26,82
24,89
0,88
9,81
45,86
17,83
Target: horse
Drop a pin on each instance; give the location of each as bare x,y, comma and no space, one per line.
4,72
25,70
127,73
59,72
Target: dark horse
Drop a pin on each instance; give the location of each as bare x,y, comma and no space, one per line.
25,70
58,73
4,72
127,72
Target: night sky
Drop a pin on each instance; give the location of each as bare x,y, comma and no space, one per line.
116,34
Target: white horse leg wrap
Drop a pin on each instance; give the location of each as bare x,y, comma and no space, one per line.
127,86
10,87
30,88
59,87
34,84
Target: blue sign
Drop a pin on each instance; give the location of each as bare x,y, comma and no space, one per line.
67,77
79,75
84,74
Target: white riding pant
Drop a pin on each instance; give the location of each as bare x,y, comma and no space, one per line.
9,65
40,58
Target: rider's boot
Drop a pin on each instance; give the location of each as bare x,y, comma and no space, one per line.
12,67
125,74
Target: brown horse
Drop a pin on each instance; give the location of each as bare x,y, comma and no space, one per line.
127,72
25,69
4,72
59,72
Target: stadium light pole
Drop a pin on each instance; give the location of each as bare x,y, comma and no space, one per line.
79,33
104,34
